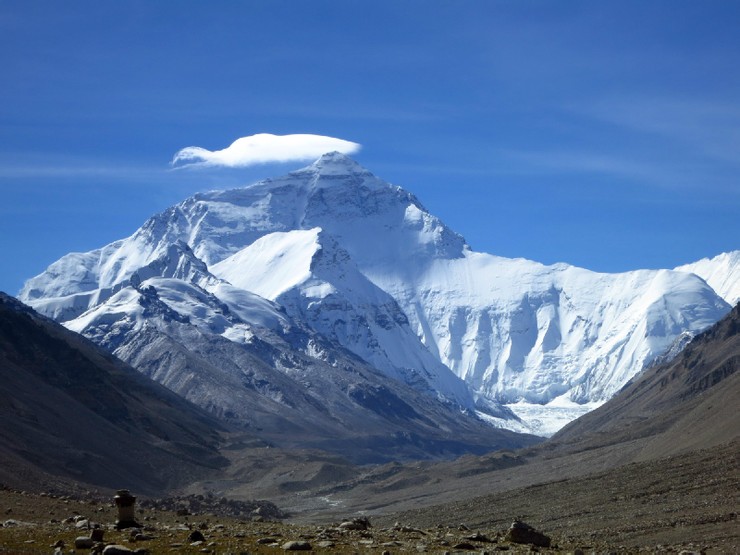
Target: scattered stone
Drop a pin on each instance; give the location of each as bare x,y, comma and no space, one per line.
464,545
196,536
96,534
83,542
266,541
478,537
409,530
114,549
521,532
297,546
360,523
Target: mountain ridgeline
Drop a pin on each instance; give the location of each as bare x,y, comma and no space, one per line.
329,298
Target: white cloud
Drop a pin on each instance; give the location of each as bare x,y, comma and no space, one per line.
264,148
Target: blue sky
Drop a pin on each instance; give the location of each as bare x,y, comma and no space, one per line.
602,134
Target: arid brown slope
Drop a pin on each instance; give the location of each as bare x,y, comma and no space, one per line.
687,501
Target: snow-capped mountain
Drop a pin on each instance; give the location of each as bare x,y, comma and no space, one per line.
242,358
362,262
722,273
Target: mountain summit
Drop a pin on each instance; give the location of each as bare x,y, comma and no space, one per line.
364,264
336,163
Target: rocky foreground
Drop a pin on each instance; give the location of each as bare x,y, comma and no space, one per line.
58,524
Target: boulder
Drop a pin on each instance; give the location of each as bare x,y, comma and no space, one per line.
521,532
196,536
117,550
297,546
360,523
83,542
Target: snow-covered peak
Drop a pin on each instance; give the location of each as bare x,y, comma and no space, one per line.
364,263
721,273
336,163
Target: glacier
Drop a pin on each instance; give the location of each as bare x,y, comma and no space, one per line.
361,261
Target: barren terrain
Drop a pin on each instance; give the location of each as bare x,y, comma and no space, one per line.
683,503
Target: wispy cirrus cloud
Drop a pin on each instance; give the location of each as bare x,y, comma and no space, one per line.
707,127
263,148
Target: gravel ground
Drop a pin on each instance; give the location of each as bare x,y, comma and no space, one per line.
687,502
681,504
39,523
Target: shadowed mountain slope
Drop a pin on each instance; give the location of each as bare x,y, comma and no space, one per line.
72,411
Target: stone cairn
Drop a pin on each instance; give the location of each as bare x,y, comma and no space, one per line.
126,504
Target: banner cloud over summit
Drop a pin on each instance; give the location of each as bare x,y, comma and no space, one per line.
263,148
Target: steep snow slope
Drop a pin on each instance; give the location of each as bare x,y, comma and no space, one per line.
314,279
722,273
516,331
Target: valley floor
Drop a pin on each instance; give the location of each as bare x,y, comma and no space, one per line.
684,503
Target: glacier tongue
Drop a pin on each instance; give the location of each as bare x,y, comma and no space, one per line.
365,263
